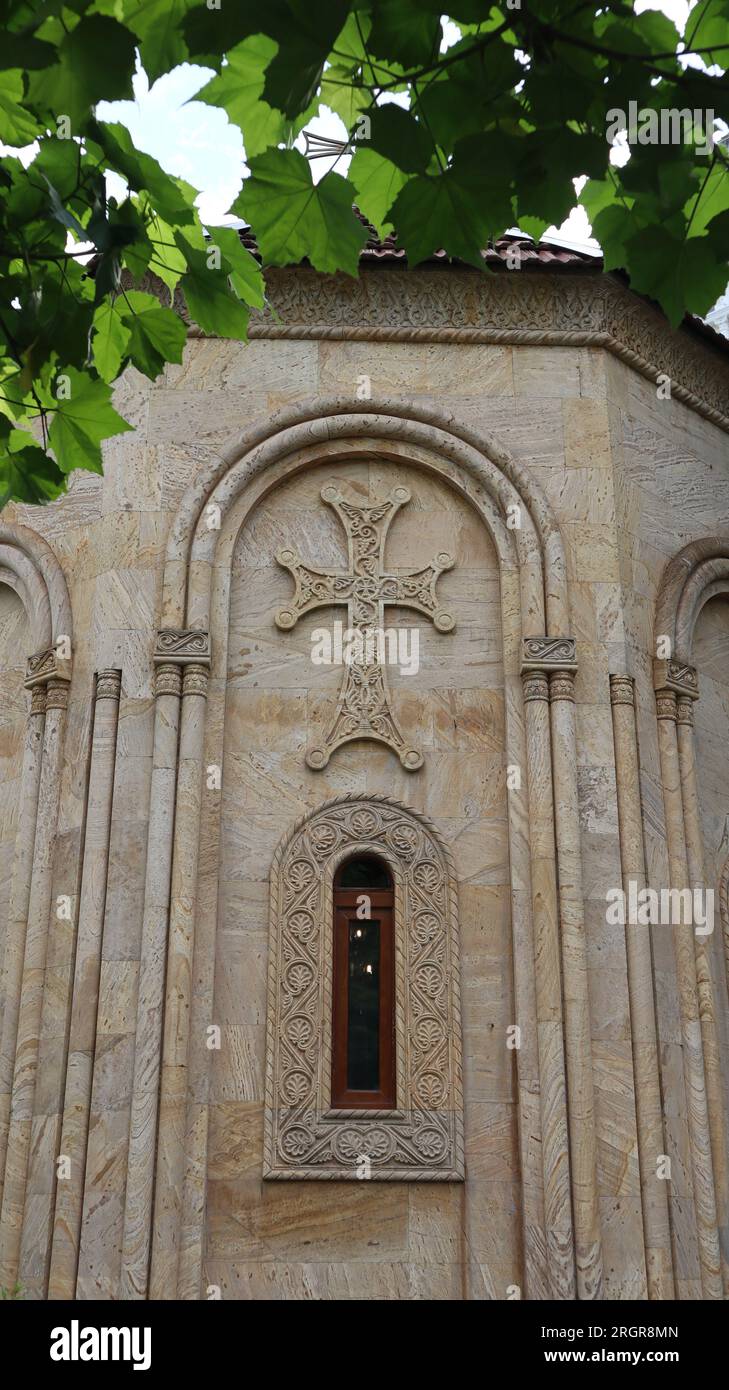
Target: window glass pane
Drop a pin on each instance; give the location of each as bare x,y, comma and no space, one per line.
363,1023
364,873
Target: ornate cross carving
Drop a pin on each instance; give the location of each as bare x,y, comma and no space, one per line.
364,709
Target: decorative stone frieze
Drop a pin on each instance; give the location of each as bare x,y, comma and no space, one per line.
677,676
423,1137
178,646
548,654
44,666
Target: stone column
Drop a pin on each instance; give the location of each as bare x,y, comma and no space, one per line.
578,1033
175,650
18,907
55,673
136,1243
698,1117
548,985
707,985
170,1172
87,971
643,1029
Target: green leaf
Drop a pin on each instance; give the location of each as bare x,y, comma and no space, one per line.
212,304
400,138
683,276
245,271
402,31
18,127
110,340
157,24
27,473
433,214
295,219
96,61
377,183
156,335
81,422
171,197
166,261
238,90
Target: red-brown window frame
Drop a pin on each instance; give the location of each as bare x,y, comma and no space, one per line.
383,911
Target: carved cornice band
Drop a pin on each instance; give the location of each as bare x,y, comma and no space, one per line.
459,307
180,646
548,654
45,666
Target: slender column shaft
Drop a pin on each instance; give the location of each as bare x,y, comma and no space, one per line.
555,1138
31,999
87,972
18,909
578,1040
704,977
643,1028
178,991
143,1124
698,1118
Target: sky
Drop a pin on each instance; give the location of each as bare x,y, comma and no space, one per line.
197,142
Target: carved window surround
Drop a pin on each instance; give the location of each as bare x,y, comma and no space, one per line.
422,1139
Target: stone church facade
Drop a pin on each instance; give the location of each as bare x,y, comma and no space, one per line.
530,472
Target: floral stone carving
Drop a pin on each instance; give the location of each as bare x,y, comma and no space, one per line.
422,1139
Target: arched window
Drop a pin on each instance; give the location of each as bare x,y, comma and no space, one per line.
393,1032
363,1005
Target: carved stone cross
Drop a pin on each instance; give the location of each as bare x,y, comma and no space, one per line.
364,709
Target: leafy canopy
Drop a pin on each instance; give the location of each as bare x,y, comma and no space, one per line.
459,128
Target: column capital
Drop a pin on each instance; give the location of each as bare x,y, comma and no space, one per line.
548,654
108,685
535,685
56,694
562,685
167,679
38,699
677,676
195,680
666,705
622,690
181,646
685,711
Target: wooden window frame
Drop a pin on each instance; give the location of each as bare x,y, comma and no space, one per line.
383,911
